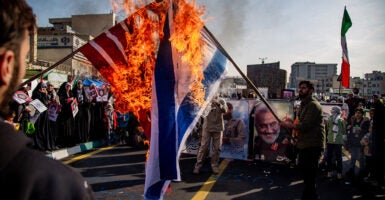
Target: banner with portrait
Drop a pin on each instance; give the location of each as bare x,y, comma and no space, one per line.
269,141
241,139
235,135
326,109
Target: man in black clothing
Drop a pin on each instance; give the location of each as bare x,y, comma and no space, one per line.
354,101
378,133
26,173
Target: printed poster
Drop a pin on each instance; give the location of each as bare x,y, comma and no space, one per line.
235,141
20,97
91,93
74,108
38,105
102,95
236,148
53,111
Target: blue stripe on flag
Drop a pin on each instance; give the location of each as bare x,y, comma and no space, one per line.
154,191
164,165
214,71
165,82
160,170
187,111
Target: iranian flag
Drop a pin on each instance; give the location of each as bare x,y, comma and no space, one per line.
345,66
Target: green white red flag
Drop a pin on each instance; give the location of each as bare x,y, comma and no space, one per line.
345,66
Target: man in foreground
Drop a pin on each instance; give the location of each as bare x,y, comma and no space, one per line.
311,134
26,173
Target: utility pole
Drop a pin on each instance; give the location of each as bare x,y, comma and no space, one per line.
263,60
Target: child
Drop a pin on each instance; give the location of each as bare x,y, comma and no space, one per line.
110,119
122,131
10,120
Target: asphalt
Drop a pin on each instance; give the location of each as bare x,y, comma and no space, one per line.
244,180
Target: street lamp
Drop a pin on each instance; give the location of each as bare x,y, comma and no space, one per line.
263,60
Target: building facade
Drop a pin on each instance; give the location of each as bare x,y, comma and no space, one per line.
268,75
51,44
374,83
232,87
321,74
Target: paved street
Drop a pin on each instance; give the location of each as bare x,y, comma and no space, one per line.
118,173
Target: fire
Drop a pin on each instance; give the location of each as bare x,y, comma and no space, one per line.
131,83
147,143
186,39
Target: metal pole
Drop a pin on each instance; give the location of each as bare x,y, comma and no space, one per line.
50,67
242,74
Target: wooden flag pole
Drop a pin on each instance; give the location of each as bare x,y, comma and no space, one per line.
50,67
242,74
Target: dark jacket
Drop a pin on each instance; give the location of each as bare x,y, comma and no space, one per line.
29,174
311,129
272,152
354,138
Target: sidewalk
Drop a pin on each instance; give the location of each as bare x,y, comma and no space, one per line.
63,153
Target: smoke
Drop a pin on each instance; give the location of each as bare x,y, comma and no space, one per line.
122,8
227,18
81,7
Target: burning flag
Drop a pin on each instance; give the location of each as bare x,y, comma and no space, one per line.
345,66
175,109
160,57
125,56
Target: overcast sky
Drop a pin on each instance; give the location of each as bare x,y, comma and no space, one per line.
287,31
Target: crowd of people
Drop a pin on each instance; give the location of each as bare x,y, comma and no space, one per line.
74,114
83,113
311,141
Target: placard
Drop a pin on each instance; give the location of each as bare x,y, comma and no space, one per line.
53,111
20,97
38,105
102,95
74,108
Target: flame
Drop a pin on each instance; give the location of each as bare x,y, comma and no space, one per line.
146,143
128,6
131,84
186,39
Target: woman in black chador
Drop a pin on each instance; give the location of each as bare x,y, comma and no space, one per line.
65,118
43,138
82,119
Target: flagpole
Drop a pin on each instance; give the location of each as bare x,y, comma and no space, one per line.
242,74
50,67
